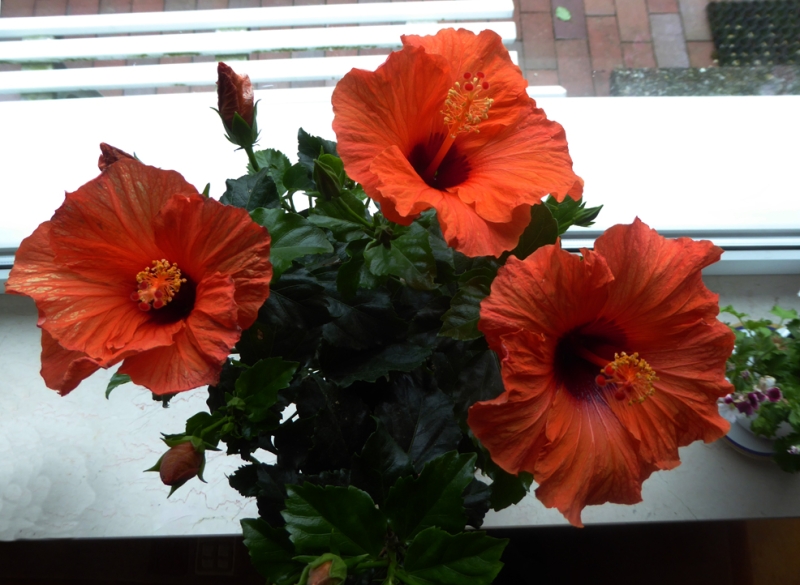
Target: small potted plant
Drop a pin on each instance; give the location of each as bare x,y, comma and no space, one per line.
765,372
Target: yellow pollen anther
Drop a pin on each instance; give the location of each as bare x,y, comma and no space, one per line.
463,109
631,376
463,112
157,285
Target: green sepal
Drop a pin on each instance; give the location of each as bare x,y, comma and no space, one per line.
338,571
570,212
329,176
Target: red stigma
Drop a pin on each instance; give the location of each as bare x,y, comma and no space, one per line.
609,370
144,307
467,75
480,75
469,86
600,380
157,304
485,85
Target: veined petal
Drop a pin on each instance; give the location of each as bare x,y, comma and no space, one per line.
467,52
398,104
95,318
105,230
205,237
589,459
198,350
63,369
550,293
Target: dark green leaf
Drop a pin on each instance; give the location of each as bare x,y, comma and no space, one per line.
409,257
251,192
419,417
366,320
318,518
508,489
371,365
259,385
345,216
381,463
784,314
785,459
353,273
438,558
245,481
296,179
275,162
476,502
116,380
271,552
461,320
432,499
311,147
292,237
542,230
478,379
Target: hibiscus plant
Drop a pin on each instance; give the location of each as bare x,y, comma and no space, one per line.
409,350
765,372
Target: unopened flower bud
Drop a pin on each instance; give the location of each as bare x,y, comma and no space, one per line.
728,399
745,407
328,569
180,464
234,96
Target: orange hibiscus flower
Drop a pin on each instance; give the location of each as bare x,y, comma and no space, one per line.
446,123
610,363
137,267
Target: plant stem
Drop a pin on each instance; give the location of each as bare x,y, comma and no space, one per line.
343,206
252,158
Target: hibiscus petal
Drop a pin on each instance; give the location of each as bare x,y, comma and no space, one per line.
205,237
517,164
512,425
95,318
63,369
590,458
105,230
462,228
658,280
467,52
550,293
198,350
398,104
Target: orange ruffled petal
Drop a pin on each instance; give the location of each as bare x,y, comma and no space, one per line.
556,320
390,129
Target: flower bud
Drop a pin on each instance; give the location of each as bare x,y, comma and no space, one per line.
180,464
234,96
328,569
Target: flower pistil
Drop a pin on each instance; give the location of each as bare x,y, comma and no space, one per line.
157,285
463,111
631,377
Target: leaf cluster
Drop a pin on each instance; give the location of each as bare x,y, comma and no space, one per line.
770,348
348,396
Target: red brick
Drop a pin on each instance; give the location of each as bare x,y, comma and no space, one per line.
374,52
538,41
211,4
174,5
695,22
202,88
342,53
602,82
634,24
114,6
16,8
662,6
604,43
110,63
83,6
534,5
599,7
638,55
701,53
174,60
174,89
50,8
147,6
575,27
542,76
574,67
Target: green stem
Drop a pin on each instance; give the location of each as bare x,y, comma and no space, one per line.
390,576
343,206
373,564
252,157
214,426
